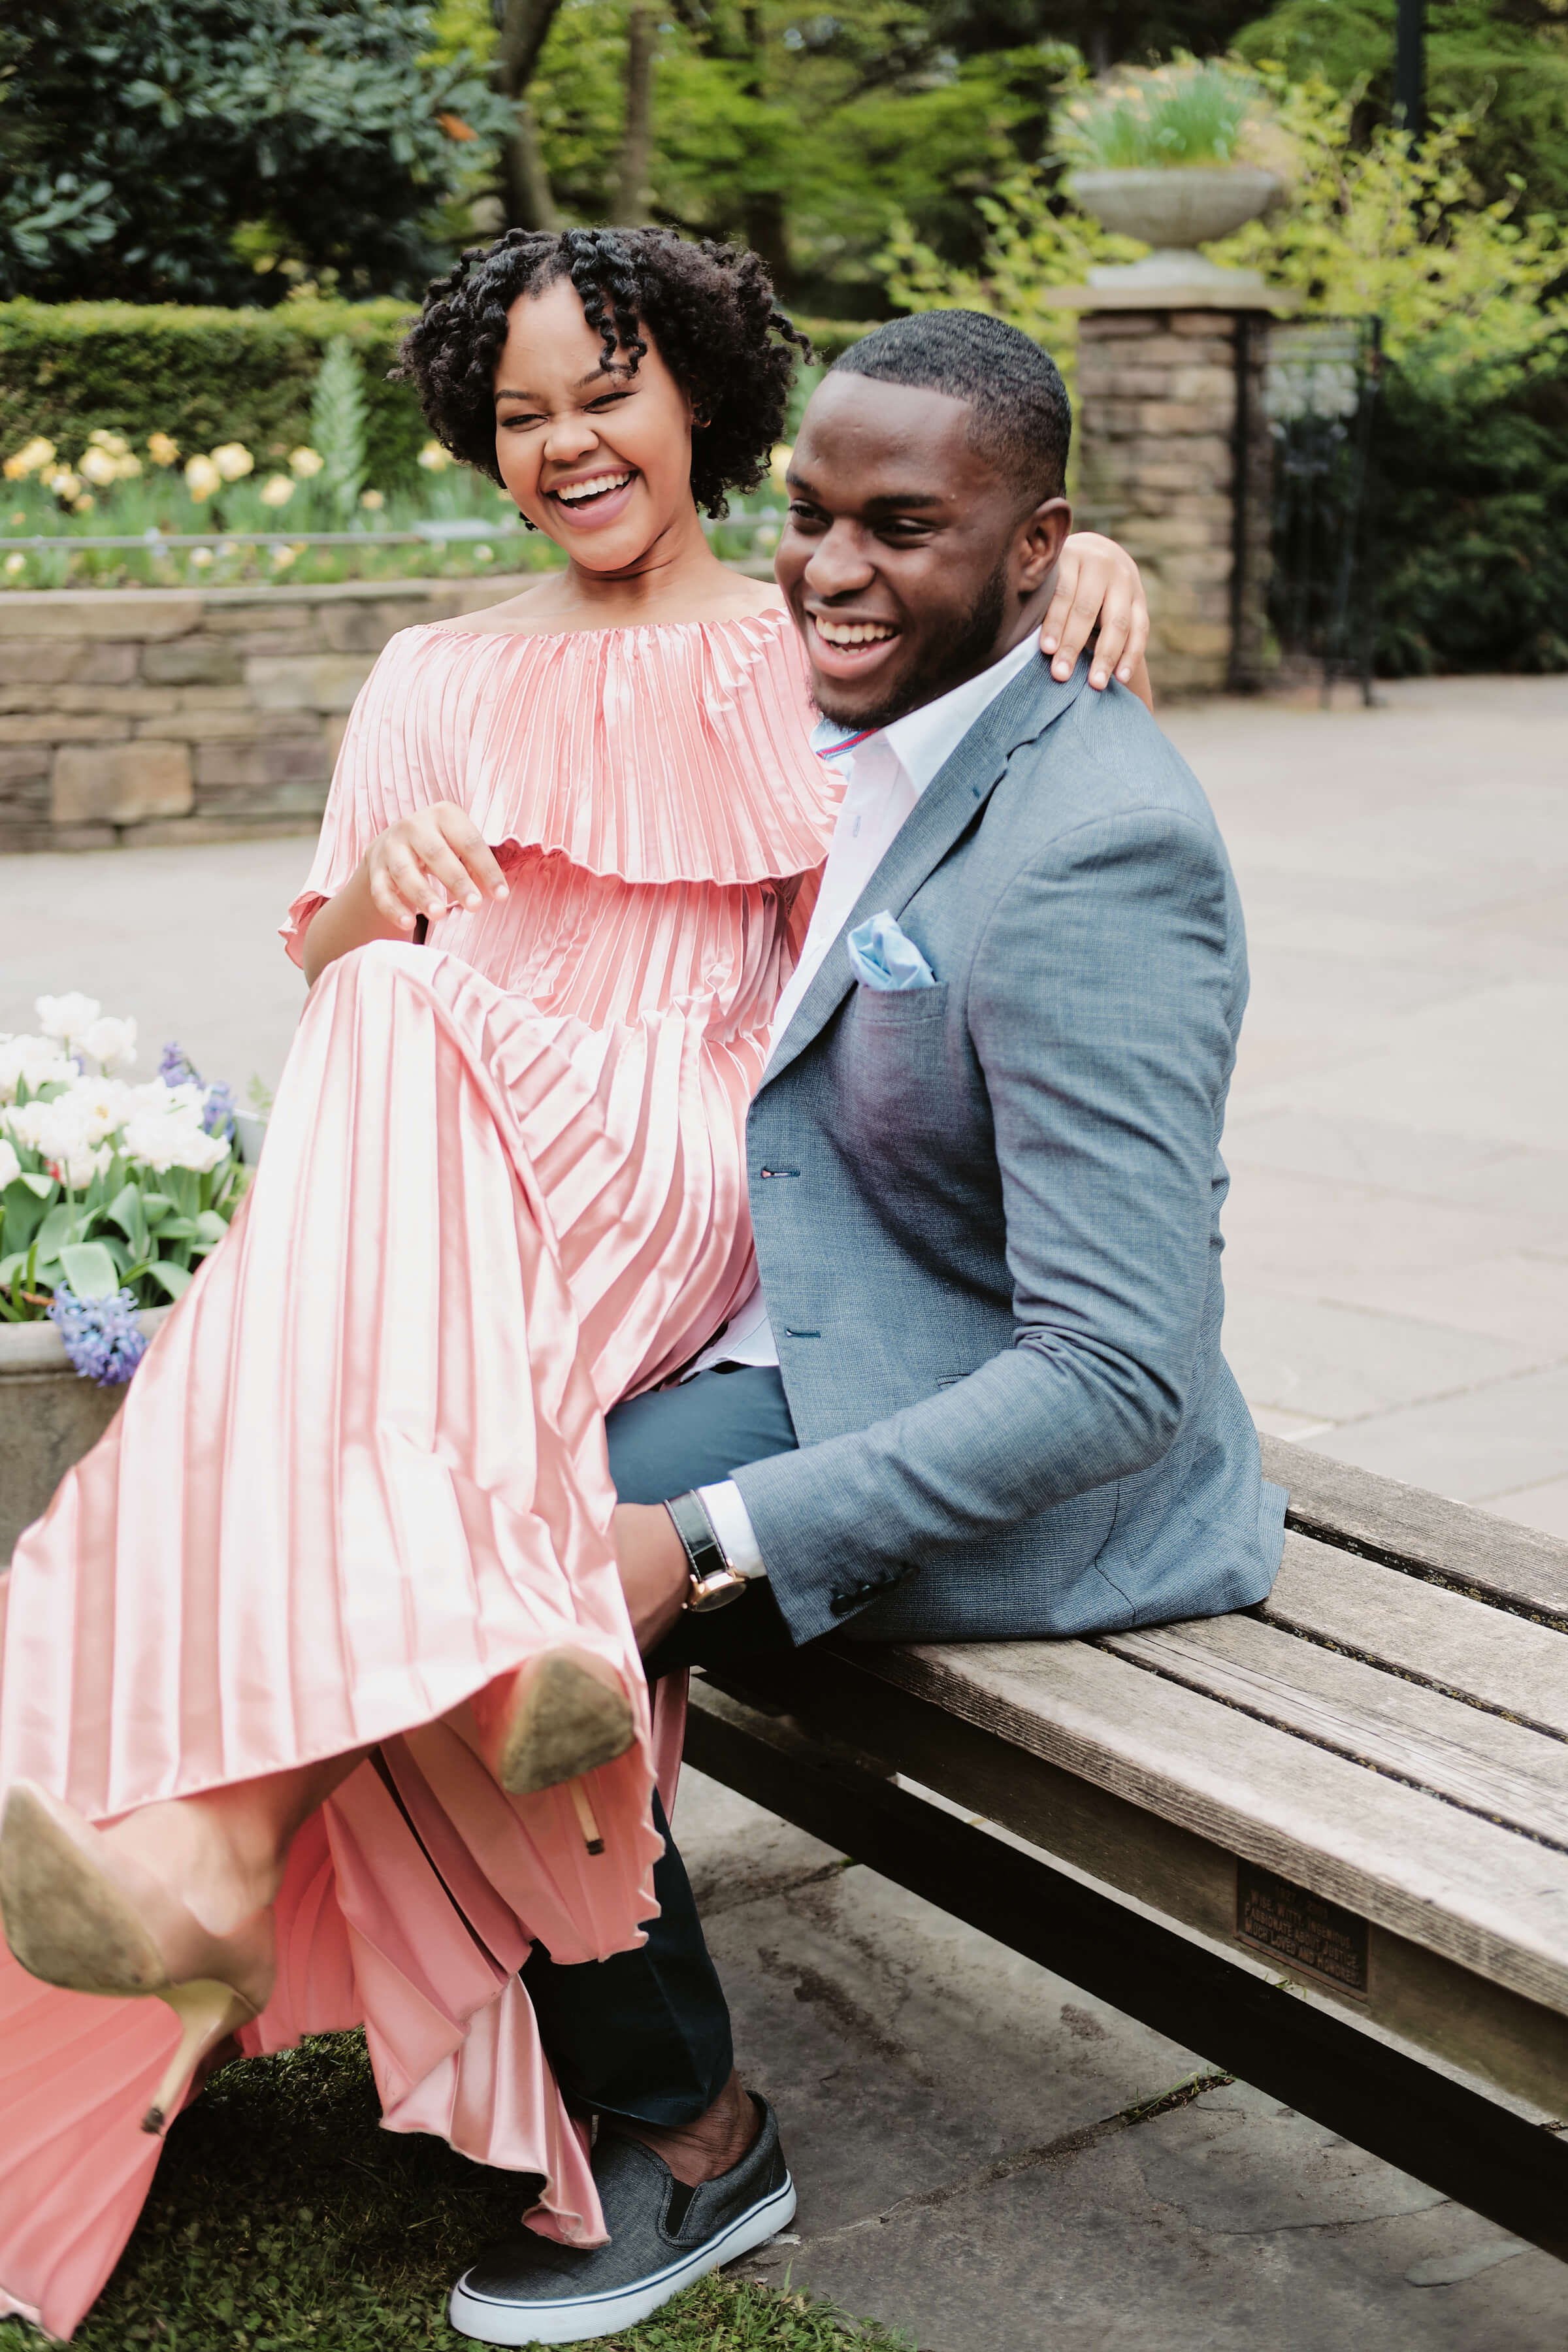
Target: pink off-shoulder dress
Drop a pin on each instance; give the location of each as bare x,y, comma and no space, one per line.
361,1472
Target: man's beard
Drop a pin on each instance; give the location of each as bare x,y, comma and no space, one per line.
966,655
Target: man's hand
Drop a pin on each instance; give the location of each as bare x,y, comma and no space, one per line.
655,1571
1098,581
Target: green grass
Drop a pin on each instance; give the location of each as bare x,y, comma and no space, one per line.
283,2217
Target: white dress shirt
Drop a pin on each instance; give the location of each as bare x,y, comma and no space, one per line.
887,772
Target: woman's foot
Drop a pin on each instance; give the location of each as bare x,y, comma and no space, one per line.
82,1913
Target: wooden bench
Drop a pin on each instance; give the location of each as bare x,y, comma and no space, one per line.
1323,1843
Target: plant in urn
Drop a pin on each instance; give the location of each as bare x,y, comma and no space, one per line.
1162,155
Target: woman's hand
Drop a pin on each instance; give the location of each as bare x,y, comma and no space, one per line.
417,866
1098,581
428,860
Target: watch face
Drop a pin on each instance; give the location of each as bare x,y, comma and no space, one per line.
715,1592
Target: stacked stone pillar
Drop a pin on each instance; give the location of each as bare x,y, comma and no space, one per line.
1174,461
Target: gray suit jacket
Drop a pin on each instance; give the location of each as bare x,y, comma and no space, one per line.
987,1212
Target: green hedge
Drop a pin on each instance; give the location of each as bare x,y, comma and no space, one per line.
1471,518
204,376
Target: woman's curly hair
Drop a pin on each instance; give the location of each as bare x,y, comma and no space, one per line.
708,306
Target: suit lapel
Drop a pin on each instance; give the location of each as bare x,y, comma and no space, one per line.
1022,711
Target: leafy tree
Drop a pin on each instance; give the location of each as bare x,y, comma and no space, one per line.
219,151
1381,228
806,134
1502,62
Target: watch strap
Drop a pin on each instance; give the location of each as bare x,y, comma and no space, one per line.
713,1580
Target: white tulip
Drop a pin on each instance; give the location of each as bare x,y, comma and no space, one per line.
10,1166
103,1106
66,1017
59,1131
111,1042
31,1062
161,1141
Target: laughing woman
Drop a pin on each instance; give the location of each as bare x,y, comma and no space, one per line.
319,1700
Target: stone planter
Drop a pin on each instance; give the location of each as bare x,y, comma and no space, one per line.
1174,210
49,1417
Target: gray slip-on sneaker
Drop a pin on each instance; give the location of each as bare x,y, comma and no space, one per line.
662,2236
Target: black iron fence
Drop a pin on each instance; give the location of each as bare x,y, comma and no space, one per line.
1321,395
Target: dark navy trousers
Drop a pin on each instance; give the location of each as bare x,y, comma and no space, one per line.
647,2033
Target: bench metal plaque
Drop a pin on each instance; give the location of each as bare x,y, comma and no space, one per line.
1314,1937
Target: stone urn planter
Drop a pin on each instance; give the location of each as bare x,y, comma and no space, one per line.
1175,209
49,1417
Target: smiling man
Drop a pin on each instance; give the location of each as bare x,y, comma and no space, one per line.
978,1393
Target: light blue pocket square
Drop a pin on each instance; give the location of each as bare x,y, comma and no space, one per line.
884,959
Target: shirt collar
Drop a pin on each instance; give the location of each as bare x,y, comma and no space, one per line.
923,740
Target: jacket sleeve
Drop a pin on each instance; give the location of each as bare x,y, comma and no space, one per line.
1099,1008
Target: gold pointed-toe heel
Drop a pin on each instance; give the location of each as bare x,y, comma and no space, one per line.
564,1714
79,1915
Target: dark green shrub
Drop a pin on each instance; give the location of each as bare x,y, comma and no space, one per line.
1471,523
204,376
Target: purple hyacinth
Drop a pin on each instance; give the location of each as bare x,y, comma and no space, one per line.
218,1111
103,1336
177,1069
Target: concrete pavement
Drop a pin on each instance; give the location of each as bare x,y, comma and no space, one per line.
1397,1261
970,2135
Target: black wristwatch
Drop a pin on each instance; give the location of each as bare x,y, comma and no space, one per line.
714,1583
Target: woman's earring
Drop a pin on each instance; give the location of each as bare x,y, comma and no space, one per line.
700,423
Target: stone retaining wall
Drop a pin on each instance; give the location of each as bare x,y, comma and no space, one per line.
1158,470
167,714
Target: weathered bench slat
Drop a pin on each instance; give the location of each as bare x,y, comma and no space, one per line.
1498,1769
1494,1901
1379,2096
1463,2019
1484,1653
1405,1525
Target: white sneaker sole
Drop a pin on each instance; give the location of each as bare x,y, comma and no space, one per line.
586,2318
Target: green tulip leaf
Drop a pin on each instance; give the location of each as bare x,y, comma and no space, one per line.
89,1269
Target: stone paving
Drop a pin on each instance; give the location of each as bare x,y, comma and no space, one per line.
966,2127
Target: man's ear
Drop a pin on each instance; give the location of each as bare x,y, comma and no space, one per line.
1041,537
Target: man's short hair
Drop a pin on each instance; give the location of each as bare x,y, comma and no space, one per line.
1022,418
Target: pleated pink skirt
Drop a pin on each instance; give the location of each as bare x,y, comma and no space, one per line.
362,1474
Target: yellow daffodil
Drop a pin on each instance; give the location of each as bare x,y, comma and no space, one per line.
114,443
303,463
284,556
234,461
14,564
163,449
434,458
201,557
372,501
85,504
64,484
97,464
202,478
276,490
31,458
